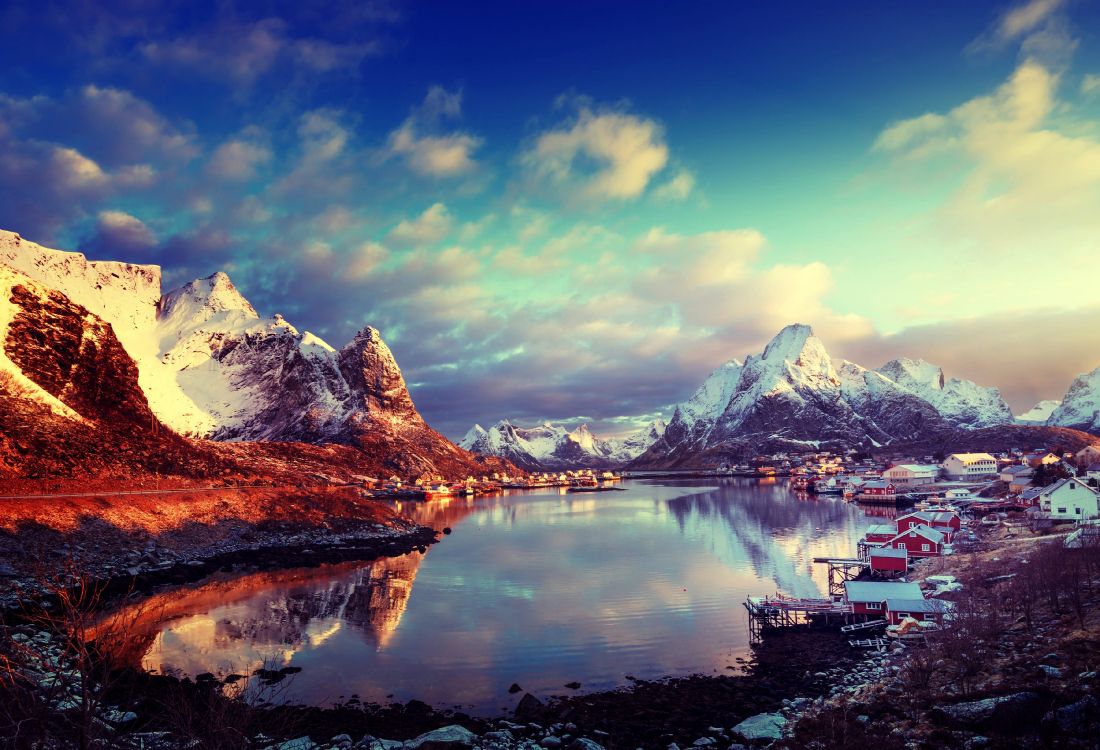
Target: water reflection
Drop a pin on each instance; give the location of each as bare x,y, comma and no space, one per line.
538,588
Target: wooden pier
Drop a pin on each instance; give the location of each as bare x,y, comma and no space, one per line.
774,612
842,569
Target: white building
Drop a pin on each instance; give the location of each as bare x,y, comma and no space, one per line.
970,466
911,474
1069,499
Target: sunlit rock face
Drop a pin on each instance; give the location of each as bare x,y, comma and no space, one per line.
1080,408
206,364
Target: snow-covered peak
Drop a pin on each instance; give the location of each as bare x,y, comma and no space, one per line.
473,437
1080,408
915,373
1039,413
210,296
711,398
790,343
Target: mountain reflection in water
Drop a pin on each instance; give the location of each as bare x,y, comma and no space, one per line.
539,588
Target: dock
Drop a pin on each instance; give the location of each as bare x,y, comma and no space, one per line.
774,612
842,569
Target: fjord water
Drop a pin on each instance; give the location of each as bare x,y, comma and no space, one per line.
537,588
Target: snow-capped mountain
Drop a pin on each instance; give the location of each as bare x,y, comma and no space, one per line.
1080,407
961,402
552,447
210,366
794,394
1040,413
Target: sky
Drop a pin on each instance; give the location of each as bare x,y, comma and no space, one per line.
576,211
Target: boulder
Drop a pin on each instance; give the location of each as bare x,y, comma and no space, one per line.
583,743
1006,712
444,738
761,727
1077,717
299,743
529,707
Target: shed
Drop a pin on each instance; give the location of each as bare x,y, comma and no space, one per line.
888,561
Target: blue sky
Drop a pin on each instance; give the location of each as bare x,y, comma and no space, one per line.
575,211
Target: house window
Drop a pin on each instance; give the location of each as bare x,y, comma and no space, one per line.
874,605
925,548
901,545
1060,510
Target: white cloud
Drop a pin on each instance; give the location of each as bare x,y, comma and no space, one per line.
421,142
676,189
627,152
118,230
426,229
237,160
76,171
1026,18
1090,84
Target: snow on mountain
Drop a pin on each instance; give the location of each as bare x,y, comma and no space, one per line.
794,394
962,402
1039,413
211,366
551,447
1080,407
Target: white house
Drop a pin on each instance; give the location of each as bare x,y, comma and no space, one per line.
911,474
970,466
1014,472
1069,499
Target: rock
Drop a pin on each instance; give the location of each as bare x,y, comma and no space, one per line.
550,741
573,685
444,738
299,743
529,707
761,727
583,743
704,742
1005,711
1076,717
341,740
1050,671
116,716
515,688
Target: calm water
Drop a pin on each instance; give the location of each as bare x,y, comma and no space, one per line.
537,588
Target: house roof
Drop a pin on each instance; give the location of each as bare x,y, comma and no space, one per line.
916,605
1017,469
916,468
881,529
1051,488
930,516
921,530
888,552
965,457
876,484
1093,467
880,591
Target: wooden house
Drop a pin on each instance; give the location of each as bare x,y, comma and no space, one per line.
920,541
888,562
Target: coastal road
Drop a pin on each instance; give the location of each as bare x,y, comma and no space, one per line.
174,491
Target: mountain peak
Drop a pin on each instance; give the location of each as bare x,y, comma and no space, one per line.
205,297
906,371
789,342
369,367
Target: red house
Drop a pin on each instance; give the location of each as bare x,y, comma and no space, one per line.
946,522
919,541
898,609
869,597
887,561
880,533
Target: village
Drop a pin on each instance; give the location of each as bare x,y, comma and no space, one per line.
879,593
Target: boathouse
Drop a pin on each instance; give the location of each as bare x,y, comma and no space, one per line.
880,533
922,609
869,597
946,522
887,561
920,541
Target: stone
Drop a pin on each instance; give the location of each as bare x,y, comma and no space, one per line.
299,743
1004,711
529,707
444,738
341,740
1076,717
761,727
550,741
704,742
583,743
515,688
116,716
1050,671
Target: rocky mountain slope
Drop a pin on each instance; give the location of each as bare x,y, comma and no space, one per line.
548,447
205,364
794,395
1080,408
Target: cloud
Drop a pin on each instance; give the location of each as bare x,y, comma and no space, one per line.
243,51
1090,84
237,160
118,234
428,228
676,189
1017,21
605,154
427,150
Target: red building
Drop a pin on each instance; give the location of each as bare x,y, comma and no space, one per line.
887,561
869,597
880,533
898,609
919,541
946,522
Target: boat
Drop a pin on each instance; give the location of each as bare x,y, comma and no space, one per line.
591,488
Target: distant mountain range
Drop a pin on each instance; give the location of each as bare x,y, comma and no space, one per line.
793,395
552,447
197,362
